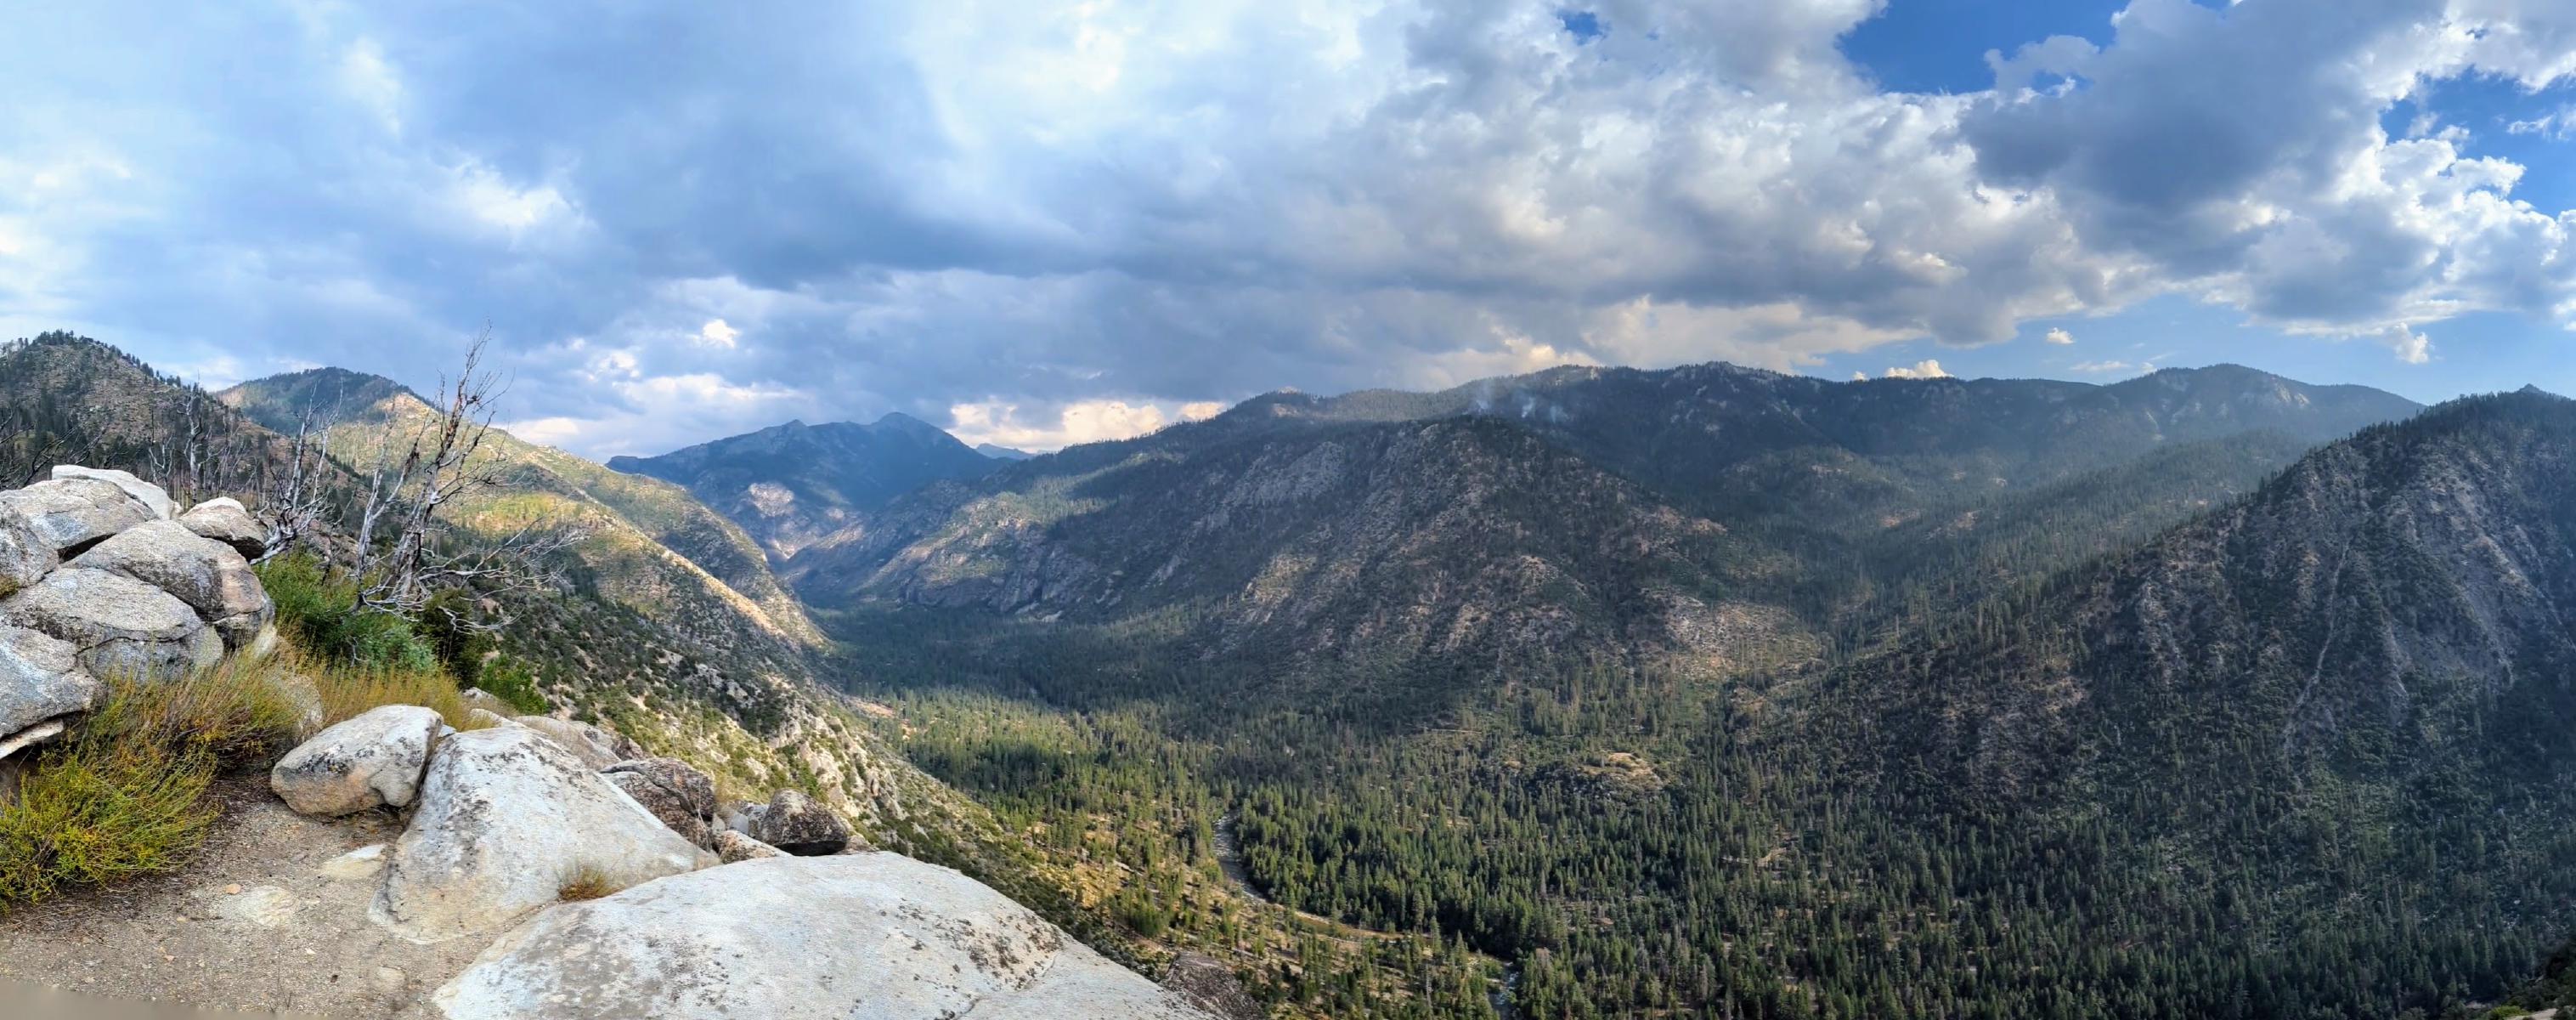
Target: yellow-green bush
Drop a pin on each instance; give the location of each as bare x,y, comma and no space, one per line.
125,792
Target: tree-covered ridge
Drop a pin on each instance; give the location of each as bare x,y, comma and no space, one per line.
1462,540
69,399
648,545
1712,511
2303,755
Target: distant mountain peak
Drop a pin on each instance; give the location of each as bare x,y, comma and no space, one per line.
790,484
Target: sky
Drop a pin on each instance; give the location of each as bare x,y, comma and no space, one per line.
1041,223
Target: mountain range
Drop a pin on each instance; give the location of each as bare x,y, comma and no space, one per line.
1706,691
1724,513
2062,700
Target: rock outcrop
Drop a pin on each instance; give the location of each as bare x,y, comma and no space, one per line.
793,822
682,797
40,680
154,499
121,626
597,748
225,520
873,936
97,581
506,819
373,760
733,847
211,577
73,514
26,554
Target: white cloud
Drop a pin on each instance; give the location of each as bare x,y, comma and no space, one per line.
1051,428
717,333
2102,367
486,197
2060,337
1924,369
2557,126
371,81
2410,347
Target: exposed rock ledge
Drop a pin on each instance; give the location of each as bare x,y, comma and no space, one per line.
870,936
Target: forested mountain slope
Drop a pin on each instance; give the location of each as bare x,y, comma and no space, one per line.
2310,755
1711,510
790,485
67,399
2155,738
1738,439
1463,540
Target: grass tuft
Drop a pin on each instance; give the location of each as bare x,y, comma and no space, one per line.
586,883
346,692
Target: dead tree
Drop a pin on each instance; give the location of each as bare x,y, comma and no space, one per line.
298,502
415,477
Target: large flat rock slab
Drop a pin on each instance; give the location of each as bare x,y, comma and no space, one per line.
872,936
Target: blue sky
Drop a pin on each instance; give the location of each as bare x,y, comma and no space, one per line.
1039,223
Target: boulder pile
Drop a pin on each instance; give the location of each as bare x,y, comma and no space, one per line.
101,577
626,889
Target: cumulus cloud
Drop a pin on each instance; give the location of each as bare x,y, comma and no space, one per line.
1074,220
1085,421
2410,347
1924,369
2060,337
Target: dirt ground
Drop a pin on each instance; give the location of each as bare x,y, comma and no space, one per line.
253,923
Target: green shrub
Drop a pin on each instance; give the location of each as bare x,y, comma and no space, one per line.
318,607
510,681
